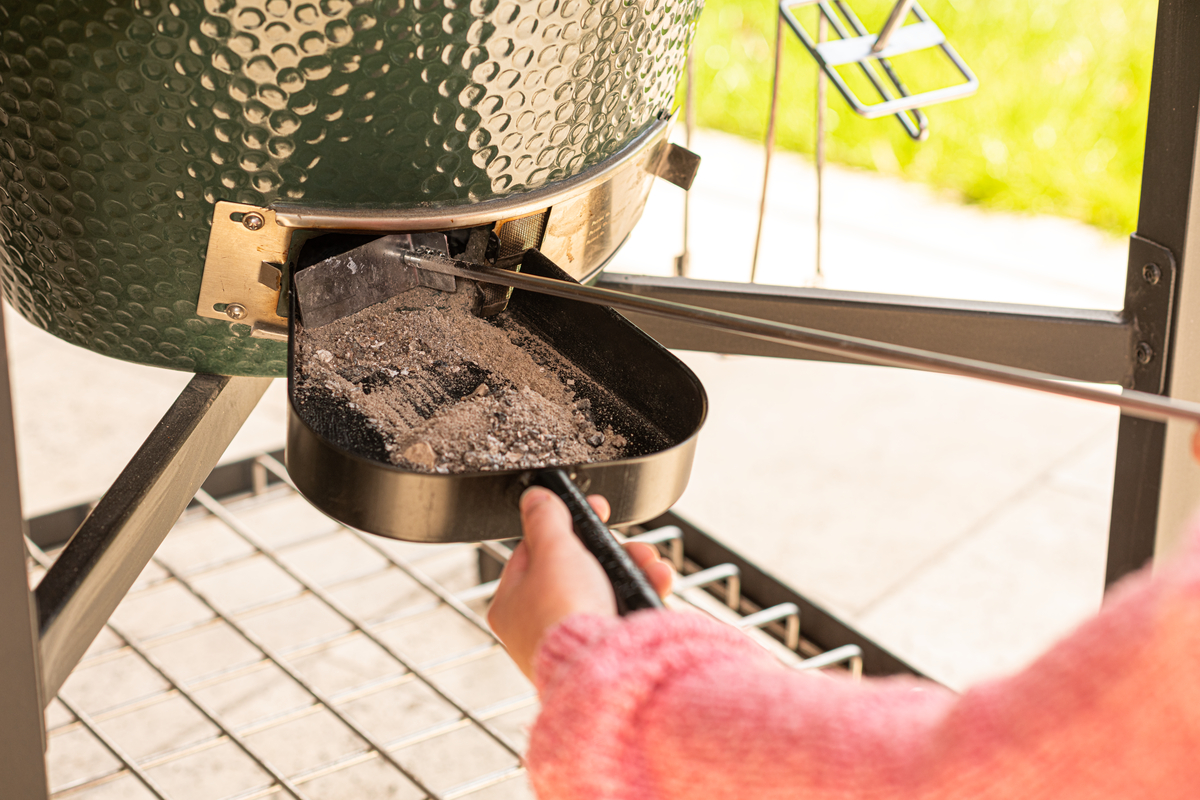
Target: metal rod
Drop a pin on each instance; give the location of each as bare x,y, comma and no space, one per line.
682,261
894,21
484,591
1078,344
669,535
126,760
705,577
789,612
847,652
483,782
822,91
1139,404
770,146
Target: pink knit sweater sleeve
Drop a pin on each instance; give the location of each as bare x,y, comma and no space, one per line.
673,705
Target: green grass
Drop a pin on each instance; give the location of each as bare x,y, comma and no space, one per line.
1056,127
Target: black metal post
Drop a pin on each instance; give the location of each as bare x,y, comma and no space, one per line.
1163,219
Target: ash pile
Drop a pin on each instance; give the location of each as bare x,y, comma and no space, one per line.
421,382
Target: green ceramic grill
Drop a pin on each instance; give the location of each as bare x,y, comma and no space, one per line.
161,161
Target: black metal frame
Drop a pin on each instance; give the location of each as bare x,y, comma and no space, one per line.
1164,217
1085,345
1135,348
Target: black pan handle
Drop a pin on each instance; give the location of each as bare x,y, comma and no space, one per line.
630,585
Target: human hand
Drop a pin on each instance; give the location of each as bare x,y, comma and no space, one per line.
551,575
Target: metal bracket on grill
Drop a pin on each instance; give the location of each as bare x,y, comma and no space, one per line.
578,223
242,269
677,165
1149,300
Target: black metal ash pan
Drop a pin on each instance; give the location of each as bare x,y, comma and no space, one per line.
337,464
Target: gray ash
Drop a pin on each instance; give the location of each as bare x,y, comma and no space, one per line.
421,382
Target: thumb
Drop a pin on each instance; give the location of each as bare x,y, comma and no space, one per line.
555,552
545,520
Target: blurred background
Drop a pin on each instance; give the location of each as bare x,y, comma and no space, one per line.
1056,127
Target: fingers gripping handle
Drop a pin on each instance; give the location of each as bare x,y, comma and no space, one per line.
629,583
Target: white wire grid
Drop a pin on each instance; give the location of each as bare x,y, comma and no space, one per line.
268,652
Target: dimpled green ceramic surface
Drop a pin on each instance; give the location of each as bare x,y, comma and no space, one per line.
123,121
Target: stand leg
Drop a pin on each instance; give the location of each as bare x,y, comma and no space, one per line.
1157,484
22,729
114,543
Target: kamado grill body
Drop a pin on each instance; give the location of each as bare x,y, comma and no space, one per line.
123,130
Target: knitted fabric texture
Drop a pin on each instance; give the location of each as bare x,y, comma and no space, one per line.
667,705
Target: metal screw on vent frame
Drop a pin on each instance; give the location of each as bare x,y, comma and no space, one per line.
1145,353
238,311
1151,273
253,221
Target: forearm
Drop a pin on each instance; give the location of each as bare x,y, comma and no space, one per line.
663,703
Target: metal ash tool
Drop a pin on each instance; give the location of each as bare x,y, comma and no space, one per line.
1135,403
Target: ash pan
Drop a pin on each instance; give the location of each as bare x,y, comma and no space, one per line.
634,389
